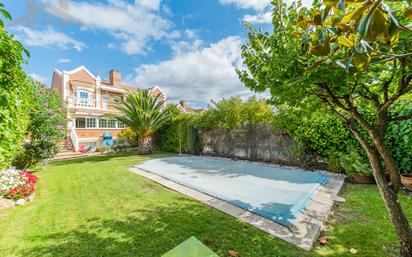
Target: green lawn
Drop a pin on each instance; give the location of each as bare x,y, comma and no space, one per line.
96,207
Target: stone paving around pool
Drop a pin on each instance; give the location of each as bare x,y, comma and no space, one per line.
304,230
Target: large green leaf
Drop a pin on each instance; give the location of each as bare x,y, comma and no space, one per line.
347,42
378,27
361,61
5,14
356,14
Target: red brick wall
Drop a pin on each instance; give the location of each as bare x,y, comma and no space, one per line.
96,133
57,83
82,76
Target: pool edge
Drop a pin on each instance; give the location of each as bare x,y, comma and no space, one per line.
305,229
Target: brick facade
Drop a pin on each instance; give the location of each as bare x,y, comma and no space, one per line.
96,133
88,96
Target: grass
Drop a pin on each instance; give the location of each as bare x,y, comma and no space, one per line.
96,207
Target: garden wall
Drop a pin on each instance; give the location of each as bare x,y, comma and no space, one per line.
255,143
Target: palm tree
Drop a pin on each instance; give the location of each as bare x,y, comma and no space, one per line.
144,114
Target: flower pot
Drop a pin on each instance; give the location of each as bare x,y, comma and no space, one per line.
406,180
362,179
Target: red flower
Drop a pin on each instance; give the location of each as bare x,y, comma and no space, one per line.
41,92
25,189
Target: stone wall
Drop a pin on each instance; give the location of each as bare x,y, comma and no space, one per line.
255,143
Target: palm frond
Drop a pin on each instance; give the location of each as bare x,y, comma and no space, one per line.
143,113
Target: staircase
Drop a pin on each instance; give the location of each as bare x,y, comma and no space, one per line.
66,150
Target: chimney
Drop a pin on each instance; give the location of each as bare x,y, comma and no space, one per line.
183,103
115,78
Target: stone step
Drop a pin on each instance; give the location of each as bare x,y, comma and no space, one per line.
67,153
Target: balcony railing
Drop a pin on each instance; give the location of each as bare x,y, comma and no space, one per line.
91,103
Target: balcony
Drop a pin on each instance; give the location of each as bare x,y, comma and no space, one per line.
91,104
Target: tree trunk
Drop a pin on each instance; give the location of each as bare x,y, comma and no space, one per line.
145,145
390,198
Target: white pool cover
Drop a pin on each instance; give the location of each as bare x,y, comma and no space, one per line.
275,192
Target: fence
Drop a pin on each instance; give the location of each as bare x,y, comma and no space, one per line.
255,142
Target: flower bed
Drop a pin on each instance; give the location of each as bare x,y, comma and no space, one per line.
17,184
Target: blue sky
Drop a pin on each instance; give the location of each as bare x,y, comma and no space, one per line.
190,48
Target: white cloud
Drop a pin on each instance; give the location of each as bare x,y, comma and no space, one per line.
248,4
38,77
191,33
182,47
198,75
64,60
133,24
262,8
47,37
263,17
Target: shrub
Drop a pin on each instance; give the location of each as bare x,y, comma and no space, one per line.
233,112
102,148
322,132
399,137
127,136
16,184
120,148
355,162
47,117
173,136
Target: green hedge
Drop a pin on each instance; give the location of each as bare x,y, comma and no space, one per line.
177,135
317,131
14,95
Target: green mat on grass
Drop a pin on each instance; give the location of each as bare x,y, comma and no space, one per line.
190,248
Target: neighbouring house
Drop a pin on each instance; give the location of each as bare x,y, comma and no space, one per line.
91,104
183,106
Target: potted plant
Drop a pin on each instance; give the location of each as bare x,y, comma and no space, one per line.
406,180
357,166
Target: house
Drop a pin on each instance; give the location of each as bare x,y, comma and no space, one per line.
183,106
91,104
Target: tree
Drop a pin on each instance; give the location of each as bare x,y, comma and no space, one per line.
14,94
355,58
144,114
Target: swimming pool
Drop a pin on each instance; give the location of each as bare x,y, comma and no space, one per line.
274,192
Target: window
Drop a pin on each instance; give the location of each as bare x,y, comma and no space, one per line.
102,123
84,94
90,122
84,97
80,123
117,99
111,123
85,122
120,124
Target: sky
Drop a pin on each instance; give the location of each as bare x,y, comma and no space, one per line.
189,48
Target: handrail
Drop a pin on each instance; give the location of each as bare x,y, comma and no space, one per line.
77,101
75,140
91,103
